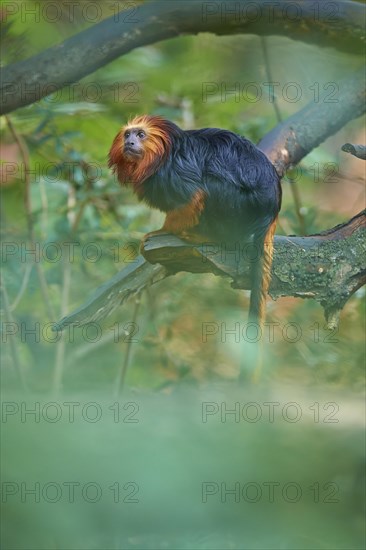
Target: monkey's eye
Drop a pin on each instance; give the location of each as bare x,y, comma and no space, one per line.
141,134
127,134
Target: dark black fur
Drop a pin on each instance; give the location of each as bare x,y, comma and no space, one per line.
242,186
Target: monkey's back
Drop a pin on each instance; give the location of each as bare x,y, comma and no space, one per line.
242,192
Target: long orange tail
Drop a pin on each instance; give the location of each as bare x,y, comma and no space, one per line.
261,276
261,279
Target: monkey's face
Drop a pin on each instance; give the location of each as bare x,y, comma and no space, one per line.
133,145
139,148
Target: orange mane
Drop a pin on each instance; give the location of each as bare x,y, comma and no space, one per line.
156,147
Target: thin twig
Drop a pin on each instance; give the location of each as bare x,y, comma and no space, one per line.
267,68
44,203
27,272
293,185
13,349
60,348
44,291
122,372
28,212
74,221
79,215
297,203
25,157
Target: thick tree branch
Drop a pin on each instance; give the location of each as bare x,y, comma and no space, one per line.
328,267
338,24
294,138
115,292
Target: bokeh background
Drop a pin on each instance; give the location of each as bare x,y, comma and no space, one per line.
149,452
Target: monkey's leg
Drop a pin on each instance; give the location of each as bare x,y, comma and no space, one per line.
182,220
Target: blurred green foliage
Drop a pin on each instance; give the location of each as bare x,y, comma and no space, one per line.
169,453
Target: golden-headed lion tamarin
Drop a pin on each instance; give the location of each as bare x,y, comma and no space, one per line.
214,185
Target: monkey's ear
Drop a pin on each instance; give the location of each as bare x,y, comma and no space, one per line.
116,151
